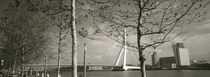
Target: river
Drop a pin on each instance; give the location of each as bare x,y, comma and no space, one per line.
154,73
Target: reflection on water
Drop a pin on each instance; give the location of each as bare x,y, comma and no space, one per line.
155,73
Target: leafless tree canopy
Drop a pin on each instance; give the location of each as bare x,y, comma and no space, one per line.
153,22
24,36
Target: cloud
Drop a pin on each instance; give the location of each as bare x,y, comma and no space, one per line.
205,26
196,29
198,46
199,39
178,39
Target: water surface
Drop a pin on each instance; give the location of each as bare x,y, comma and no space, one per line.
155,73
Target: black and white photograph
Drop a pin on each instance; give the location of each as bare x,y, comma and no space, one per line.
104,38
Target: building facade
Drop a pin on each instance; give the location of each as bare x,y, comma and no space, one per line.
155,59
184,59
168,62
181,54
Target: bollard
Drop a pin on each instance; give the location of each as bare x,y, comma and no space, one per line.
42,74
37,74
48,75
59,75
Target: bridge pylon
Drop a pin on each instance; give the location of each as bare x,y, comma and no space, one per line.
124,50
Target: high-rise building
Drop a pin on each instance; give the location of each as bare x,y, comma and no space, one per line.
168,62
155,59
181,54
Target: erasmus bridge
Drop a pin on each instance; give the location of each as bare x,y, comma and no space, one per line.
124,60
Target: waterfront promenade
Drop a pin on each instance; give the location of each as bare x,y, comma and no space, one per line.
153,73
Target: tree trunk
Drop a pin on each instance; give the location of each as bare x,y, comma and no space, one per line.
139,35
45,67
15,62
59,51
141,55
74,40
85,53
143,69
58,70
22,63
10,70
142,63
22,67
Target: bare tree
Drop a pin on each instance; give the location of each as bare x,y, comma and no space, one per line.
57,16
60,28
61,32
74,39
54,8
24,35
66,10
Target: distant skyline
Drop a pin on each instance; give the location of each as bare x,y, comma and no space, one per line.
196,39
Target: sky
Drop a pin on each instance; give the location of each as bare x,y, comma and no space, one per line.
197,40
